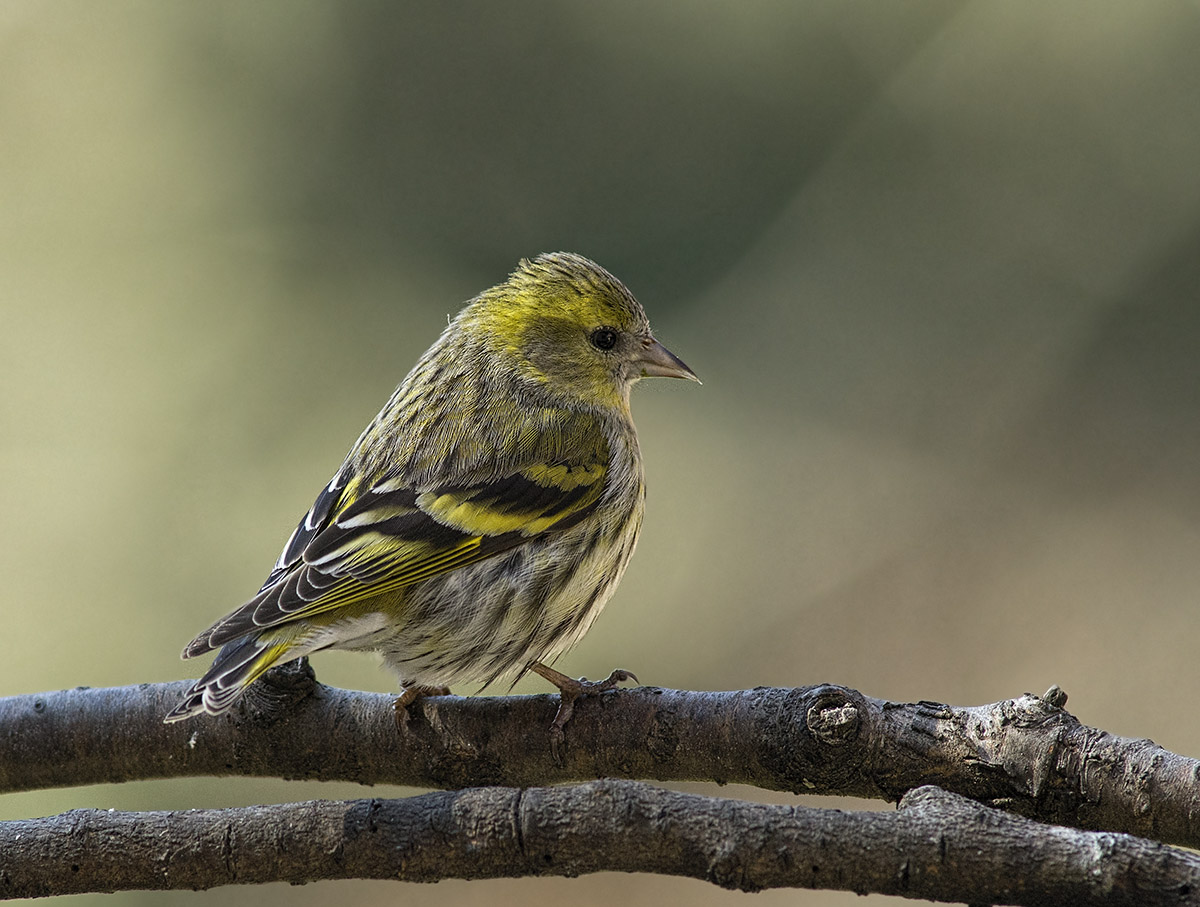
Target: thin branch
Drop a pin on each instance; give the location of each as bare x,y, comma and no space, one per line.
938,846
1026,755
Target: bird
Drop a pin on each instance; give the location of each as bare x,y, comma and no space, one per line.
484,517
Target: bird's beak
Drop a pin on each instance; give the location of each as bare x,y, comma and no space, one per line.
656,361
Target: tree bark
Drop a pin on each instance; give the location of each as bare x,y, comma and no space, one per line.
1026,755
937,846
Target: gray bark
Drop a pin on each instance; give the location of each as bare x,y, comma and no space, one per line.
1026,756
937,846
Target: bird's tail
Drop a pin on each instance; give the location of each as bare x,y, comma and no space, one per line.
236,666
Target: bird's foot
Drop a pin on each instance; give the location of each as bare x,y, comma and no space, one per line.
412,692
569,690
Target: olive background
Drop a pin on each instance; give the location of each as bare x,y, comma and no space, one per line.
937,264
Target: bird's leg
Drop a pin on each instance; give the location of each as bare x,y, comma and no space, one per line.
570,689
412,692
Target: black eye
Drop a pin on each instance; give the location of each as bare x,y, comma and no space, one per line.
603,338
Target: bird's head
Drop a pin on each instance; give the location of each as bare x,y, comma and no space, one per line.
574,328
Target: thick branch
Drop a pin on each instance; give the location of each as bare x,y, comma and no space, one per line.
1026,755
938,846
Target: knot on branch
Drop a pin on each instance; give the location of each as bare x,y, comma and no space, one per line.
834,715
833,720
814,739
1055,697
275,696
1030,711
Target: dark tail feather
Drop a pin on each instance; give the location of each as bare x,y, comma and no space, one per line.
236,666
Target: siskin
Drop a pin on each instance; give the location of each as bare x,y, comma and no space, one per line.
484,517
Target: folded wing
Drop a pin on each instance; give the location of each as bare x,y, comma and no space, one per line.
357,543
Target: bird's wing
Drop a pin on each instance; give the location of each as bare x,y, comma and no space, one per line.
356,543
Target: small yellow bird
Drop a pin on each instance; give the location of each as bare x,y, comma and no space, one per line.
484,517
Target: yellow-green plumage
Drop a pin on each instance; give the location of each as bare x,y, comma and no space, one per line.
483,518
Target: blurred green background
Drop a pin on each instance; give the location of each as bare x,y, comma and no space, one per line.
936,262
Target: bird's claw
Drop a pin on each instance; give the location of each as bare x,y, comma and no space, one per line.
412,692
618,676
569,690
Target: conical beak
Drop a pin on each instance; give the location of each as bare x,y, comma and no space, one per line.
656,361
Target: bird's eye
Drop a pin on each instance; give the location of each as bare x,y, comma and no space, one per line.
603,338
